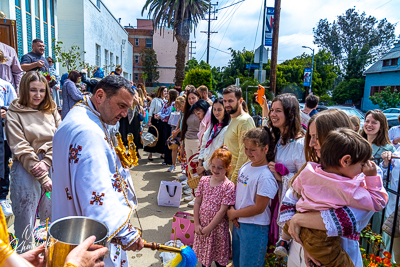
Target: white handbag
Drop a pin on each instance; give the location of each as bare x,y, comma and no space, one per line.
169,194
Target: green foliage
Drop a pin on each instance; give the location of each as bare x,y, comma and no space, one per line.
272,260
386,98
194,64
150,65
348,90
354,31
198,77
289,78
70,58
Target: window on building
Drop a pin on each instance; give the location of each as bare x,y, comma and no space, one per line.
137,59
106,59
37,9
390,62
378,89
149,43
136,76
18,3
136,41
117,61
52,12
111,60
45,11
98,55
98,4
28,6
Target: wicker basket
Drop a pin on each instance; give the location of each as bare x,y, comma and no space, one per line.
193,182
172,143
193,177
143,135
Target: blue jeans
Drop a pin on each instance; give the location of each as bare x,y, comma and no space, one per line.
249,245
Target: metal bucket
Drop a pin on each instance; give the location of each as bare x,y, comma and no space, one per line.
67,233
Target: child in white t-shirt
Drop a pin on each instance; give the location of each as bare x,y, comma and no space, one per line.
251,215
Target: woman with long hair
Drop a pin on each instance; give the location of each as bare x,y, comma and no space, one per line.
190,124
288,144
70,93
346,222
163,116
213,137
30,124
376,131
155,107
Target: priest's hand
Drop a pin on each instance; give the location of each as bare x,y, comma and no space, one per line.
39,169
138,245
87,254
34,256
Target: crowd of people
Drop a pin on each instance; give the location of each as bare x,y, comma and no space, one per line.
306,182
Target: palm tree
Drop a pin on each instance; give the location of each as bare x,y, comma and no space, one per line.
182,15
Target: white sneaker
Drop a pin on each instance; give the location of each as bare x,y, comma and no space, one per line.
182,178
6,207
191,204
171,169
184,182
188,198
187,192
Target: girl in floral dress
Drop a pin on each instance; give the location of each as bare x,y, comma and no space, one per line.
214,195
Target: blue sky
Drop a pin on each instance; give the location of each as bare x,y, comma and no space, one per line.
237,25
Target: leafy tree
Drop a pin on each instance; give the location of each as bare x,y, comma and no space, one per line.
69,58
386,98
182,15
353,30
198,77
348,90
194,64
150,65
290,74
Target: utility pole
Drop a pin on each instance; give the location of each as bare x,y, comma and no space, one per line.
262,44
274,53
209,28
191,53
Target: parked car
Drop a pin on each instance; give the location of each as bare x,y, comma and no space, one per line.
392,121
351,111
319,107
392,111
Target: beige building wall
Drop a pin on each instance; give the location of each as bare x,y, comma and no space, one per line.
165,47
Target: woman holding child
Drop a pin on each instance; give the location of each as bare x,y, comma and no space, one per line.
346,222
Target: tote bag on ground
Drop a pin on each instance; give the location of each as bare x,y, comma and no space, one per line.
169,194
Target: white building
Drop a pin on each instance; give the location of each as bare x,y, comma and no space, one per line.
91,26
36,19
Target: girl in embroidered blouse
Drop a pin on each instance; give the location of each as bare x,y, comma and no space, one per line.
213,137
163,115
346,222
345,177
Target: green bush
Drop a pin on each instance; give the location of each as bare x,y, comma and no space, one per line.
198,77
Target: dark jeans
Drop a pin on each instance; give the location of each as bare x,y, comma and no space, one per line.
5,183
216,264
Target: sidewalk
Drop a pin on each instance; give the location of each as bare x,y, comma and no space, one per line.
156,220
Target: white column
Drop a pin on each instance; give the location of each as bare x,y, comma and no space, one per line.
41,20
24,31
33,19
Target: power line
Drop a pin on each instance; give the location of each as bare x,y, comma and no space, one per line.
258,24
230,5
220,50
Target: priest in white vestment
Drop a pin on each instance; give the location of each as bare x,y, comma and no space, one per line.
88,178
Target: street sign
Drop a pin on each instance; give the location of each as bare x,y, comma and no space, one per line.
307,77
252,66
269,22
257,54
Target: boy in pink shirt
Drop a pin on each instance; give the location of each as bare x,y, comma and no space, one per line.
345,177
